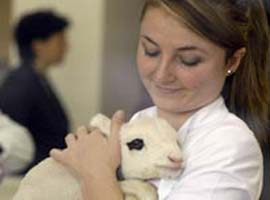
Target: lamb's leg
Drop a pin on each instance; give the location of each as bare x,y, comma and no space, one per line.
101,122
138,190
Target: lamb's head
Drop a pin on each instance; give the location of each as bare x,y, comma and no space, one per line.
149,146
150,149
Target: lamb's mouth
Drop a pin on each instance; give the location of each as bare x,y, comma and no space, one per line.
170,170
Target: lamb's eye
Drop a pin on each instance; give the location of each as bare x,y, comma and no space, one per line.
136,144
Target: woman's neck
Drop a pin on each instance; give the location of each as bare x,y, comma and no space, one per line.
177,119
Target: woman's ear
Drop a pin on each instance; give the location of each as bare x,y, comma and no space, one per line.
235,60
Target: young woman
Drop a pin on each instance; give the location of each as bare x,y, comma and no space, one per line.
204,64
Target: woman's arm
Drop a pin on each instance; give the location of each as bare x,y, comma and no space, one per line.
102,187
94,160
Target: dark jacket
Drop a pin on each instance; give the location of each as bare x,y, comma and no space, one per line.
29,99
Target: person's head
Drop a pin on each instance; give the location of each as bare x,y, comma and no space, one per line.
41,35
189,49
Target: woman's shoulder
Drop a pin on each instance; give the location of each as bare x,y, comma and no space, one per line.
228,133
215,123
227,144
231,130
214,136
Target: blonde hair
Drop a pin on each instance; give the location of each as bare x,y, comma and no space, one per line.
233,25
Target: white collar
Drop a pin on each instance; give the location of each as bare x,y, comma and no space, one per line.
205,116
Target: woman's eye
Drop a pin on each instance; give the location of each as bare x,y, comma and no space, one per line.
190,61
151,53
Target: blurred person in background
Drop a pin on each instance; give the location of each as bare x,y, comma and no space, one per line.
16,147
4,69
26,95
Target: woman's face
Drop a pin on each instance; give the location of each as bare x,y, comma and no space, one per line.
181,70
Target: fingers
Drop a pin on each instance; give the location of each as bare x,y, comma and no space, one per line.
81,131
70,139
58,155
82,134
116,123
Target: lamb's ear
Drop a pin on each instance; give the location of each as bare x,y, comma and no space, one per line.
101,122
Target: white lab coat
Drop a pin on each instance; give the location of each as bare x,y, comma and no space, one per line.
223,160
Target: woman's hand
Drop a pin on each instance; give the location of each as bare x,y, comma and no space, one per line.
91,154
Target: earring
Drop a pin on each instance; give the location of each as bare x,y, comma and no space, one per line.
229,72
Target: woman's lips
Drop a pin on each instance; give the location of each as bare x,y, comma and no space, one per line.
166,89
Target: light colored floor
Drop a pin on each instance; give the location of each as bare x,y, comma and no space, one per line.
8,187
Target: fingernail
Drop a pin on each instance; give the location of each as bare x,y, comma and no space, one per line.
120,114
52,151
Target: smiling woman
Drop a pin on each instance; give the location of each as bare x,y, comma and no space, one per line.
202,61
181,71
191,52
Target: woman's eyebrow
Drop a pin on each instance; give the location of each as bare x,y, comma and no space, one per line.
149,40
183,48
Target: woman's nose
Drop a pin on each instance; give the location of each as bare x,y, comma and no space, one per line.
163,72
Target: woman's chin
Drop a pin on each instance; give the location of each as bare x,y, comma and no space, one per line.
169,105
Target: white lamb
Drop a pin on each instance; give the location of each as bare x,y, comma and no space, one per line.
149,150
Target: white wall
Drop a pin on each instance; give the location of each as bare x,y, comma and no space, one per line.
121,86
78,78
4,29
99,73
